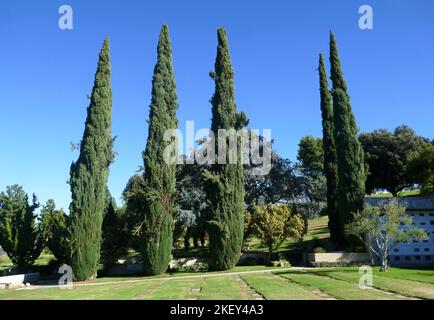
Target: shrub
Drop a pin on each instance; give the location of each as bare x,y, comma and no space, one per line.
276,223
54,224
115,235
319,250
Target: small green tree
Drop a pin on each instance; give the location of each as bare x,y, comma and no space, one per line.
275,223
115,237
134,196
311,165
382,227
20,235
310,156
54,224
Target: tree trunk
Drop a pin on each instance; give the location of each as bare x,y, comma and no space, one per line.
384,265
270,253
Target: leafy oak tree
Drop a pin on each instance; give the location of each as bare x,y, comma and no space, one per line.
421,168
387,155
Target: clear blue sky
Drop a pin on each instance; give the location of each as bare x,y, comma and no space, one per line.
46,73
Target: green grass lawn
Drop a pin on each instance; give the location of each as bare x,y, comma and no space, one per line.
409,193
395,281
307,284
272,287
343,290
43,260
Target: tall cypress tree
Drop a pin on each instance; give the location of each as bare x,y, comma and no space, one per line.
350,158
329,146
89,174
224,182
160,176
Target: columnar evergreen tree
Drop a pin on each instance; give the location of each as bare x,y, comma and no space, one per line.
89,175
350,158
329,149
160,175
224,183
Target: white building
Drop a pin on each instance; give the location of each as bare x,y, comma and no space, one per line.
421,209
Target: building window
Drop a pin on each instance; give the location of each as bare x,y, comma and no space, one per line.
421,215
422,223
432,222
417,258
395,250
407,258
426,249
416,250
428,258
398,258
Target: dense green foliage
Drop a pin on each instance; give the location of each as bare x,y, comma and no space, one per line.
330,167
311,166
20,236
134,196
387,156
282,183
224,183
89,175
349,152
421,168
115,235
54,223
191,214
159,206
310,156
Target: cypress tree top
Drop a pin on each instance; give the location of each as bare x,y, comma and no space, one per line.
163,108
223,102
336,74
